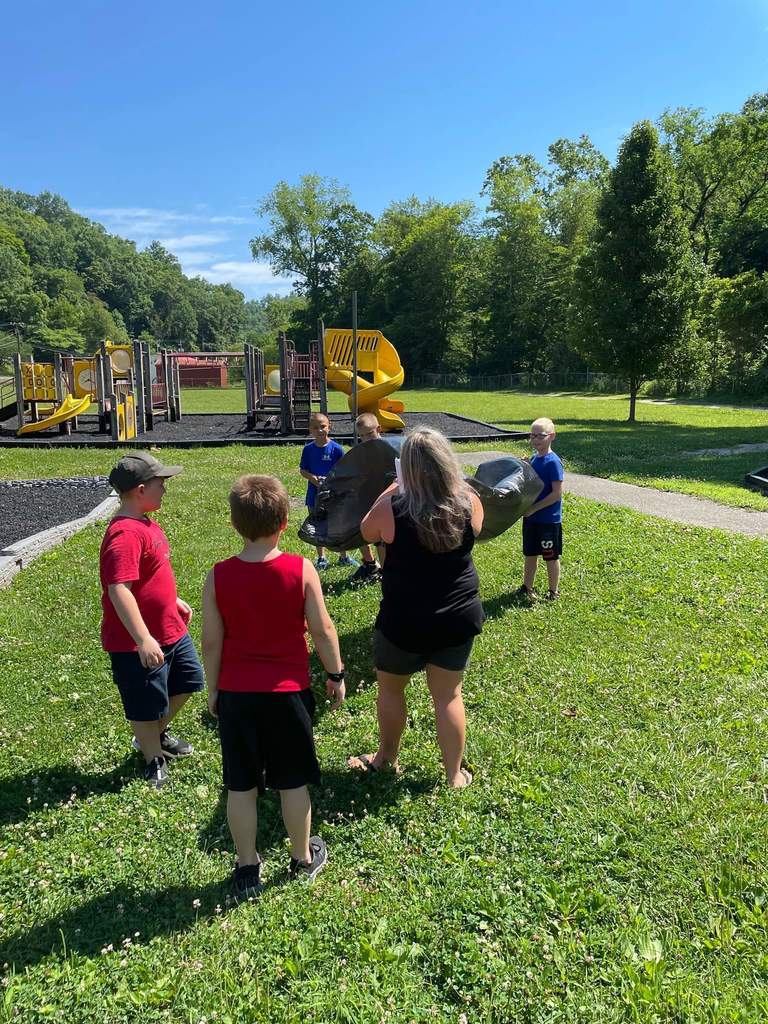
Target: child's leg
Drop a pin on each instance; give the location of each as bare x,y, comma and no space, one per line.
297,816
367,552
553,574
450,720
529,570
241,815
321,552
148,736
175,704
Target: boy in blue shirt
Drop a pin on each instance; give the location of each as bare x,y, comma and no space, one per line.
542,523
317,460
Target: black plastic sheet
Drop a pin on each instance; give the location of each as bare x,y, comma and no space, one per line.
506,487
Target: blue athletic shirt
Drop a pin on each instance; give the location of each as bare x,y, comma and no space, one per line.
320,461
550,468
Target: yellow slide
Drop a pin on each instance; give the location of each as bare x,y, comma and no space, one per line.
68,409
375,355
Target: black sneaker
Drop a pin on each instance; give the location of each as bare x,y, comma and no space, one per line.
247,881
524,594
156,772
552,595
172,746
368,572
318,851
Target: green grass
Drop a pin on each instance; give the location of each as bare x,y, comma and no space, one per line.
594,437
608,864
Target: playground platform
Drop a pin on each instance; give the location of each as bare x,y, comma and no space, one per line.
214,430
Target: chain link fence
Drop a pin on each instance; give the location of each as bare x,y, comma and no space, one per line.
562,380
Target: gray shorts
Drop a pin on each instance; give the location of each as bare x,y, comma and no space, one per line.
387,657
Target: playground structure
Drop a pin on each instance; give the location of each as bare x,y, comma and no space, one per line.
280,396
118,379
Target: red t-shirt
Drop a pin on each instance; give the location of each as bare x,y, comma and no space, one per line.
262,607
136,551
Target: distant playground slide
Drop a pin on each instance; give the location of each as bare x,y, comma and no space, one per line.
376,356
68,409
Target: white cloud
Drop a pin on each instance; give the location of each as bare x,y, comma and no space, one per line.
140,222
251,275
184,242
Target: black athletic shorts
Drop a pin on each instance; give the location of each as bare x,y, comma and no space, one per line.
266,740
545,539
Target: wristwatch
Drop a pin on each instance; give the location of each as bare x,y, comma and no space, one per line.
336,677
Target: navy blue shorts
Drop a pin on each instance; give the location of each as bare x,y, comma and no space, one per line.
544,539
266,740
145,692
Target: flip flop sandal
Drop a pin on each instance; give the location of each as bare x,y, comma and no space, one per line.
368,767
467,775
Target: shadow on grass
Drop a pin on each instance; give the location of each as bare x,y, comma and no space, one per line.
120,912
57,783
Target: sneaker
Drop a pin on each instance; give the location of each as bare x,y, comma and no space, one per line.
172,746
156,773
368,572
247,881
349,562
552,595
524,594
322,563
319,854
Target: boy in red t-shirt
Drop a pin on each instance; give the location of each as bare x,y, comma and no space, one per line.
257,606
144,625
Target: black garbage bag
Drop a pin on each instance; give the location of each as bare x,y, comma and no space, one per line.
347,494
507,488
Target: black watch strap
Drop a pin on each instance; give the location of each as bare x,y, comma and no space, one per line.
336,677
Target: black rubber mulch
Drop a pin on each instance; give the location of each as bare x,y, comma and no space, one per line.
38,505
230,428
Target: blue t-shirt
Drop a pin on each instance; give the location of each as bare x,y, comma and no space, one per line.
550,468
320,461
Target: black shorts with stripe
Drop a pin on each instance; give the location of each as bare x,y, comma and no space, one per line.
542,539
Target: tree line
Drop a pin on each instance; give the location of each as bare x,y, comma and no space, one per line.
651,269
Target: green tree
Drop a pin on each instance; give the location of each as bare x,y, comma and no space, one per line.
315,232
638,272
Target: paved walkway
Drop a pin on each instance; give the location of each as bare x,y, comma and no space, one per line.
680,508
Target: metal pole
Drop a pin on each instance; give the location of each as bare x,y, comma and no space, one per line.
138,371
322,383
19,380
354,367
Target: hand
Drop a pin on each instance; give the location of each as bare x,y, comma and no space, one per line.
184,611
213,702
150,653
337,690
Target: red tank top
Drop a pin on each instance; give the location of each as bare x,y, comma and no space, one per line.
262,607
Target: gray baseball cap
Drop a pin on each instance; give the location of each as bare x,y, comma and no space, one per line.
137,468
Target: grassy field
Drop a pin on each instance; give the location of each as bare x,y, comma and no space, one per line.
608,864
595,438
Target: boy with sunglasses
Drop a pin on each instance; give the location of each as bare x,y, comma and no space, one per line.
542,523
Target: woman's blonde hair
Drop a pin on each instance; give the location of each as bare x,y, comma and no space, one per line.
436,497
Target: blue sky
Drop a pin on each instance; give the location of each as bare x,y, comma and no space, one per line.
171,120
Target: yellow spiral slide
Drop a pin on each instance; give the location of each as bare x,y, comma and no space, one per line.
376,356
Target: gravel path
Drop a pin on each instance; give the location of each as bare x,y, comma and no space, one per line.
29,506
680,508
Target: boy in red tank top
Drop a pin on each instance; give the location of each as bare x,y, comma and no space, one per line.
144,625
256,609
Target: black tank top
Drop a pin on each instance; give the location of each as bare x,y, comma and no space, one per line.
429,600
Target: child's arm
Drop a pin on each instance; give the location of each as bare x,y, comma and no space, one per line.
213,641
316,480
150,652
323,632
555,495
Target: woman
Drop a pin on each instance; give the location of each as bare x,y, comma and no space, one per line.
430,609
